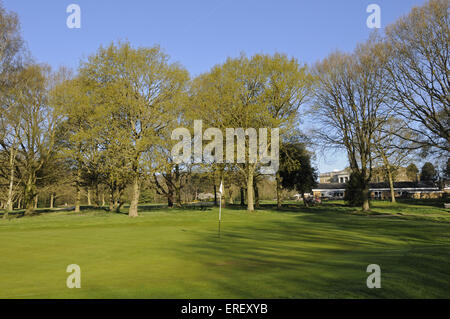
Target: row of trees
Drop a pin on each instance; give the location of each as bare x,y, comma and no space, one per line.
107,128
428,172
389,97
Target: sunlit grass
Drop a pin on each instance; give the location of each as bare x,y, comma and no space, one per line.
320,252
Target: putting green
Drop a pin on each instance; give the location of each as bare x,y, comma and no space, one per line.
322,252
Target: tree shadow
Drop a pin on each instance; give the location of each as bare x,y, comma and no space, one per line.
326,255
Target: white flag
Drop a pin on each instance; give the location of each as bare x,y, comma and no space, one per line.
221,188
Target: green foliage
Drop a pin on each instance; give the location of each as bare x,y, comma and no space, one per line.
296,170
11,49
119,111
412,171
428,173
262,91
353,190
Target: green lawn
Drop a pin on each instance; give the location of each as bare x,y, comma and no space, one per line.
320,252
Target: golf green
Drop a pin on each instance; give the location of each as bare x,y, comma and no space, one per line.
321,252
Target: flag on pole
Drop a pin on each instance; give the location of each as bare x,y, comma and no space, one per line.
220,203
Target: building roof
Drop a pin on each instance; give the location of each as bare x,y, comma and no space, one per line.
380,186
330,186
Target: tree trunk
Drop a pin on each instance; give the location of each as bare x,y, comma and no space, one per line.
215,194
111,200
119,205
242,196
224,197
178,196
30,195
365,197
36,201
78,195
9,203
170,199
78,200
256,190
230,196
250,205
278,179
89,196
103,199
133,212
52,198
112,197
178,185
391,185
96,196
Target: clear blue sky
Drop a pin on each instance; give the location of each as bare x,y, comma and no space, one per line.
200,34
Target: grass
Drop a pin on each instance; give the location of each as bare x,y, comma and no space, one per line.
321,252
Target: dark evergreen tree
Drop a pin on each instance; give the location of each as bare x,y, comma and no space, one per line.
428,173
296,171
354,190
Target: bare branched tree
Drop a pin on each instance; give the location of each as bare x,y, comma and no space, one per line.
419,63
351,100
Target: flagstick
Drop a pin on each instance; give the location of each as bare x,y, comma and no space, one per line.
220,211
220,204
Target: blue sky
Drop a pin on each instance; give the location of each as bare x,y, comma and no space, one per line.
200,34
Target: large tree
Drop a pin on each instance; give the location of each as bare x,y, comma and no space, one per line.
136,93
36,123
75,136
11,54
264,91
418,46
351,100
389,151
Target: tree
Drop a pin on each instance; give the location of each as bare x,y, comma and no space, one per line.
296,171
418,46
11,48
11,54
351,100
36,127
75,136
136,92
412,171
389,150
428,173
251,93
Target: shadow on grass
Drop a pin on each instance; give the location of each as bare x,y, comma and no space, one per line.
41,211
439,202
325,255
